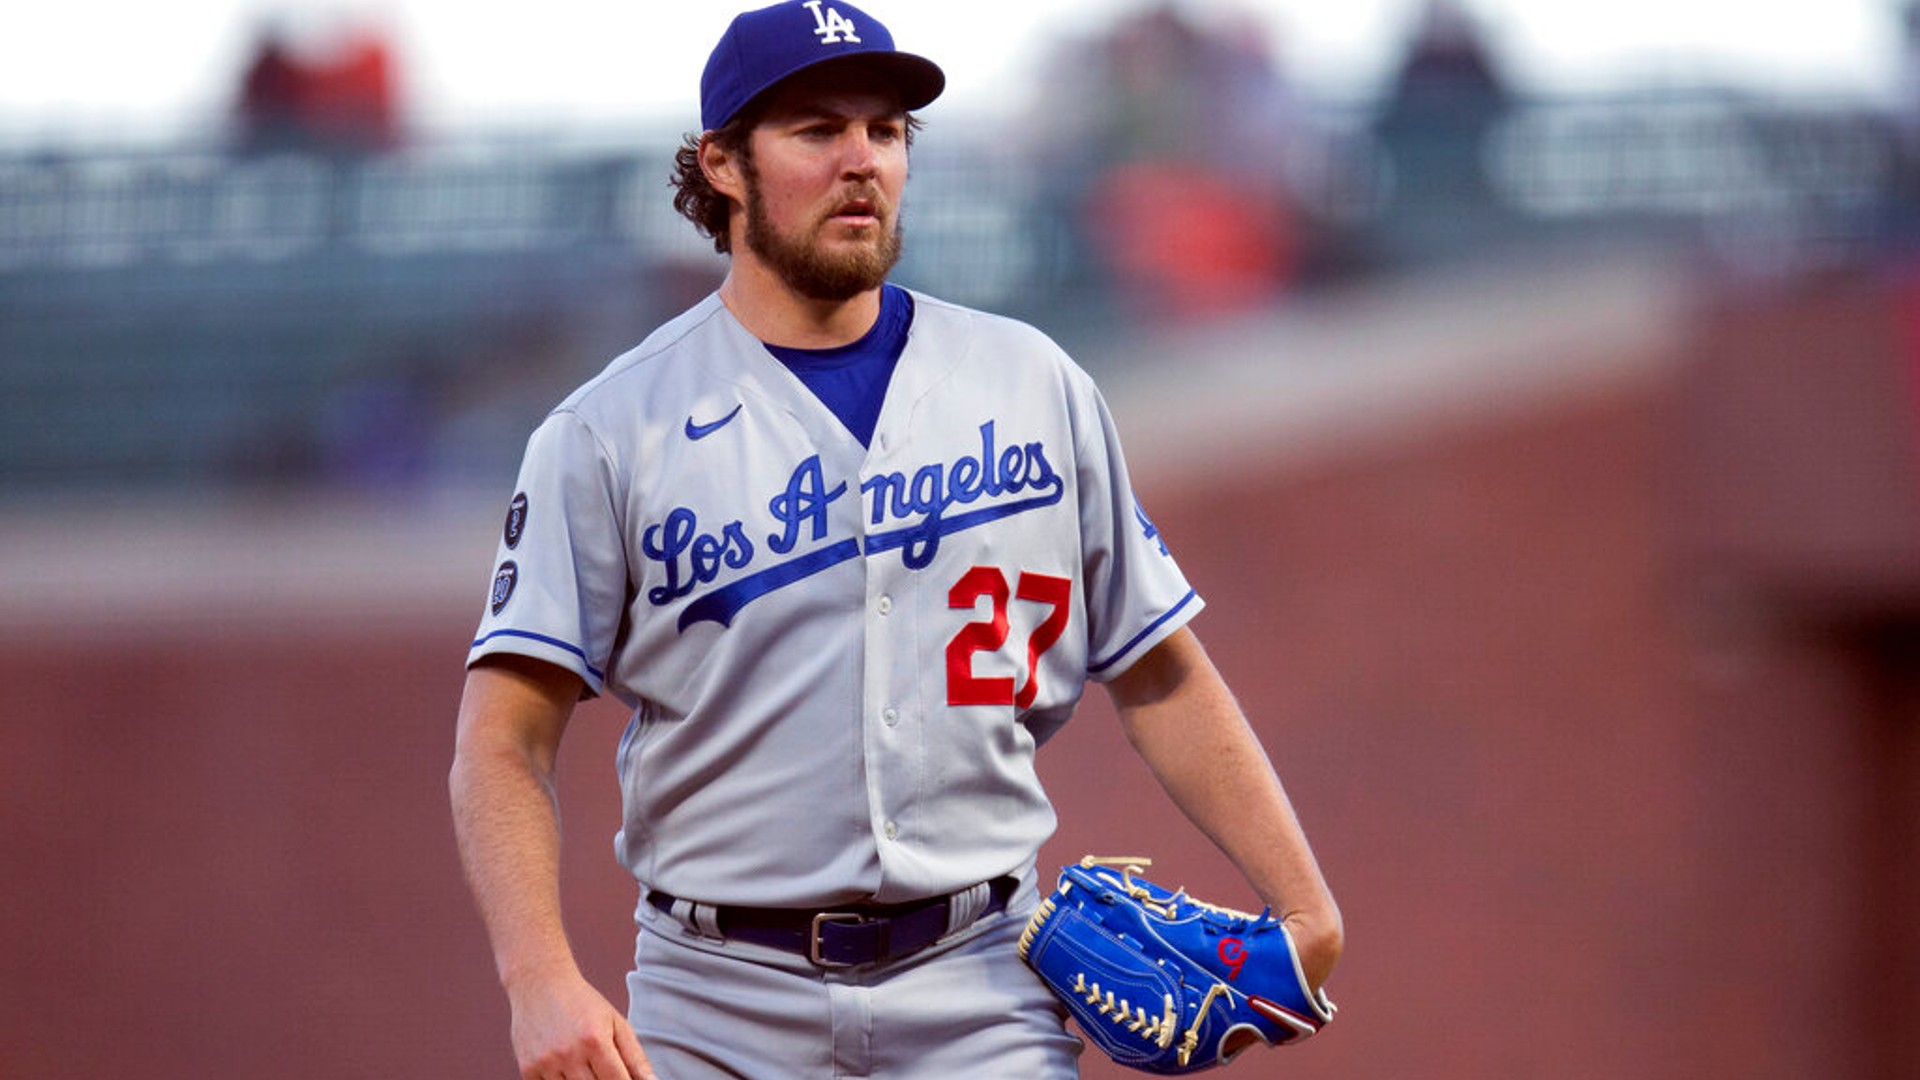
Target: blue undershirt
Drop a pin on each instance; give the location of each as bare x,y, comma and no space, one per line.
851,380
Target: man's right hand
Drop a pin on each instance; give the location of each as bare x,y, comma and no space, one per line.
564,1029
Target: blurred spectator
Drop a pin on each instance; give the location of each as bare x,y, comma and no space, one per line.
340,99
1187,242
353,103
1168,140
1447,98
273,91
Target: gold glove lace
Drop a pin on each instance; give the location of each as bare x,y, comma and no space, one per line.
1134,1018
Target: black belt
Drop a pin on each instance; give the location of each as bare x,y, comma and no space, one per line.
855,934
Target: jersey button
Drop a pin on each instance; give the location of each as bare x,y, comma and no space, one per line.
892,831
885,605
891,716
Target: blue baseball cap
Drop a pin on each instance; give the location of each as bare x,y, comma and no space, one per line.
760,48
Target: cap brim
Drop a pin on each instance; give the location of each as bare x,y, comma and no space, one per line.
916,80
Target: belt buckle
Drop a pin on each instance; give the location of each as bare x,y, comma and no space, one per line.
813,938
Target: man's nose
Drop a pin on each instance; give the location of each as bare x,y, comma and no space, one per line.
859,158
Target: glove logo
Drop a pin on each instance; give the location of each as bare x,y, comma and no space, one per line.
1233,953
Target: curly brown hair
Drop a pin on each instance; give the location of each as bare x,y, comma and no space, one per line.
694,197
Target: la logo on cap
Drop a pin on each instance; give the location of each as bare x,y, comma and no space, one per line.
767,45
831,28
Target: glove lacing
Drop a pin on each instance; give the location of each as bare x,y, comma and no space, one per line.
1123,1012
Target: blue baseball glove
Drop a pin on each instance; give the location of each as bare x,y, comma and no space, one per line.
1162,982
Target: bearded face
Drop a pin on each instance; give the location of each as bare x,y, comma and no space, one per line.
819,182
834,253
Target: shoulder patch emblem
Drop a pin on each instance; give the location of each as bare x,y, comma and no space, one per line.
504,579
516,526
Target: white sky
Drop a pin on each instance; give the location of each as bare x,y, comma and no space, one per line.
152,65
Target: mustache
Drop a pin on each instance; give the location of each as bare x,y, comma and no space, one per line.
864,198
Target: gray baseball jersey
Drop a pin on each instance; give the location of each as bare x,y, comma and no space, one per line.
841,659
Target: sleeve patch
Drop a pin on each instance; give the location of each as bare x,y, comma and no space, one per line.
516,526
504,579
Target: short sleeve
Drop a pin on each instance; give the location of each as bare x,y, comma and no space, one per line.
1136,593
560,577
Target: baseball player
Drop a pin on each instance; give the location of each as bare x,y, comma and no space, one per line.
850,554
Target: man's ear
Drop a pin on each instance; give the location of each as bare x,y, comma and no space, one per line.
722,169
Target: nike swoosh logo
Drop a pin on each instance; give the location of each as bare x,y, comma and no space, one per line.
701,431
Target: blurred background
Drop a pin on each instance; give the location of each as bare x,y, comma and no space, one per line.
1535,394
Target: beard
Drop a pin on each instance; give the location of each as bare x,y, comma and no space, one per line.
810,270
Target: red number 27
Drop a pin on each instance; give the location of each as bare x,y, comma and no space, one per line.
988,635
